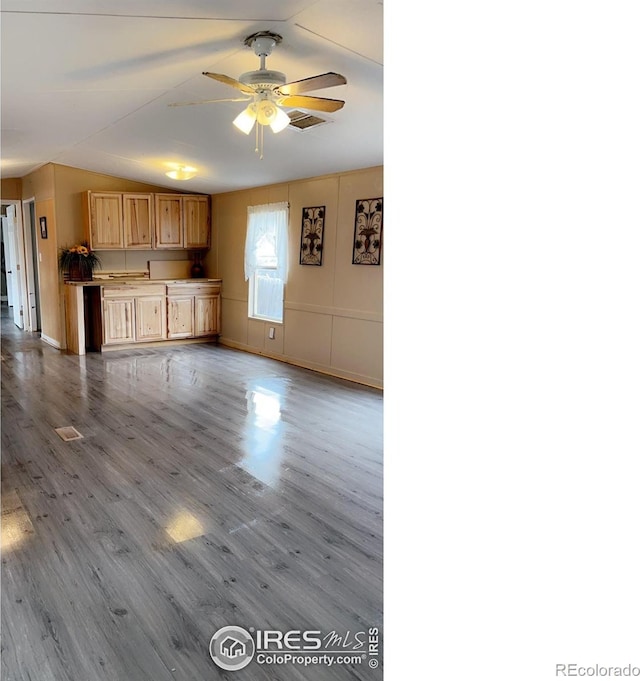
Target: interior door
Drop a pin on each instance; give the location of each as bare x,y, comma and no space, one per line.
17,260
11,257
7,263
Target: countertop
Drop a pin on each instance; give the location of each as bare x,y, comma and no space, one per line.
129,282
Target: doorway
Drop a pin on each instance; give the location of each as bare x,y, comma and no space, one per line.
20,271
14,269
32,264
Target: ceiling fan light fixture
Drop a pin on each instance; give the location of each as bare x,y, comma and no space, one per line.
270,90
182,173
280,121
246,119
267,112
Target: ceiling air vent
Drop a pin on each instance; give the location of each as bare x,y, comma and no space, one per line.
304,121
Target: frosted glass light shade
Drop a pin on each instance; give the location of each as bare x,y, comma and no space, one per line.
245,119
280,122
267,112
182,173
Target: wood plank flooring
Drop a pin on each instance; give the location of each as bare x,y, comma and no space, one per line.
210,487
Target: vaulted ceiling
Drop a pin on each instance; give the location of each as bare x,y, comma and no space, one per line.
88,83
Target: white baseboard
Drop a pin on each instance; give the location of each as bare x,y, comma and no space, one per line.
50,341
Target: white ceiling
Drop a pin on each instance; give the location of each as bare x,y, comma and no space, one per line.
87,83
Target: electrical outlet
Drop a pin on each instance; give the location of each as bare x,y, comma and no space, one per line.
272,332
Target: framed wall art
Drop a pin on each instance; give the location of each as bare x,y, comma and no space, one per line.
312,235
43,228
367,238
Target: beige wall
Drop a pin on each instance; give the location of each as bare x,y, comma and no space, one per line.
51,300
11,188
40,187
333,320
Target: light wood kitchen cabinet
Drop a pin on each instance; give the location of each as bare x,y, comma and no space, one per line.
118,320
119,220
206,314
105,220
151,318
134,313
169,222
142,221
194,310
138,220
197,226
180,316
111,315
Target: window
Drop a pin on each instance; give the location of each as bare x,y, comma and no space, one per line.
265,260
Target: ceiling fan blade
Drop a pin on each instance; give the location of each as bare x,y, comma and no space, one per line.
315,103
313,83
209,101
227,80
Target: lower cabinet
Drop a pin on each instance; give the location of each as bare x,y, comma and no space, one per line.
154,312
207,314
132,314
151,318
118,321
181,316
194,310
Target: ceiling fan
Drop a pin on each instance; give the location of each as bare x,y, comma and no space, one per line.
268,90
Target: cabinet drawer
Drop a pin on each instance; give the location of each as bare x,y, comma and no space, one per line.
133,290
193,289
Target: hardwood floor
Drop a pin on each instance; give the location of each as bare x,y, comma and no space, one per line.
210,487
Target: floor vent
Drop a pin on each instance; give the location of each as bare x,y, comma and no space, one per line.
304,121
68,433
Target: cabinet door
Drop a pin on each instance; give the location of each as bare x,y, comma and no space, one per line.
151,318
118,320
207,315
105,221
138,220
180,315
169,232
195,211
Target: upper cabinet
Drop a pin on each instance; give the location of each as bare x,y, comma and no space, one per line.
169,222
138,220
182,221
195,216
121,220
105,220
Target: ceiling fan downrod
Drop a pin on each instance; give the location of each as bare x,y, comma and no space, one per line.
263,43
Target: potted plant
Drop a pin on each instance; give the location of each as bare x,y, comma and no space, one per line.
78,262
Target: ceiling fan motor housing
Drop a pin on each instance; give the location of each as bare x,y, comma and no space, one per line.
263,79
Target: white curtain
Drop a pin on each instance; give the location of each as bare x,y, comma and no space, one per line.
269,299
267,238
